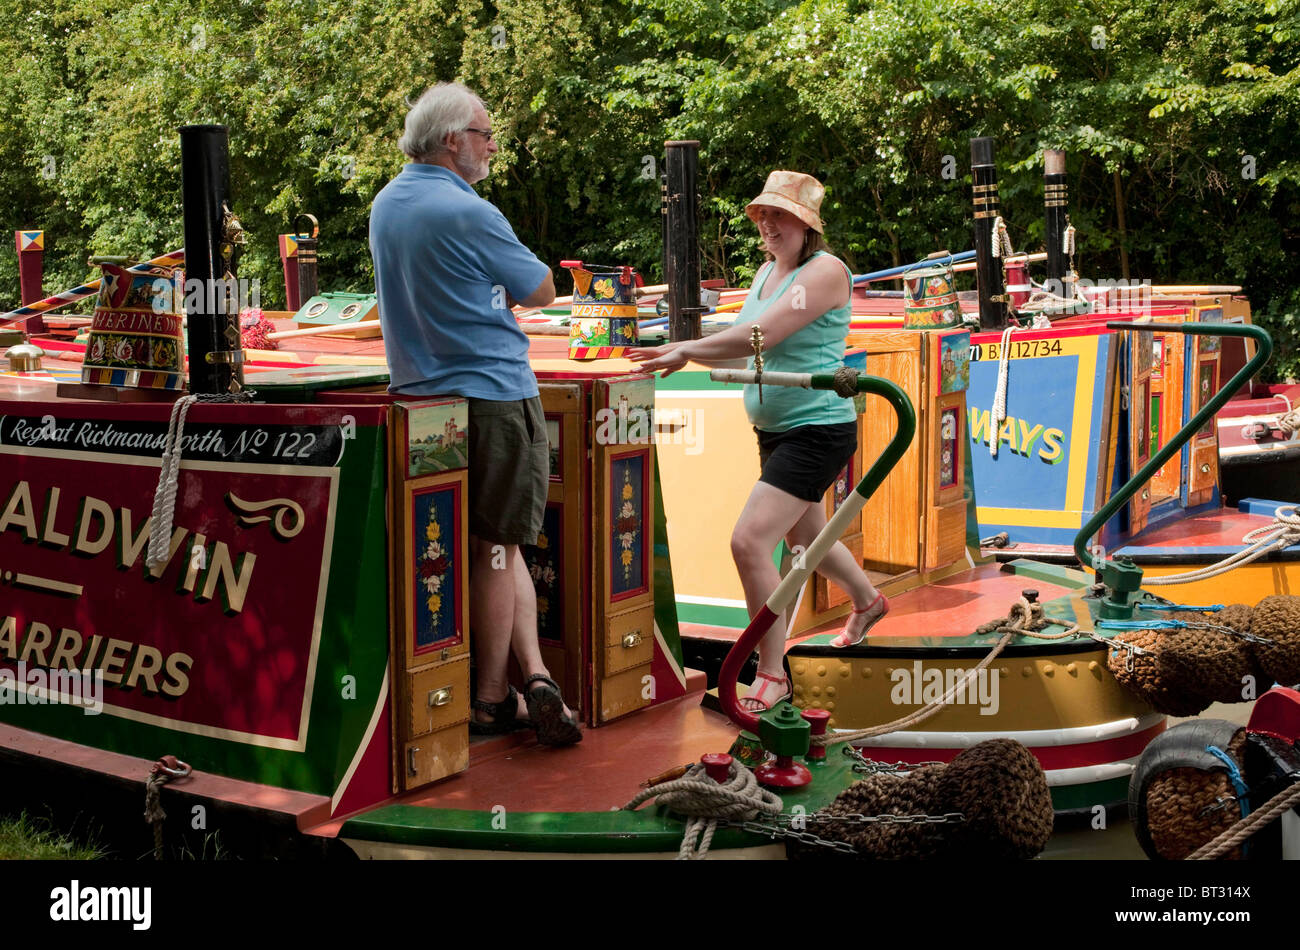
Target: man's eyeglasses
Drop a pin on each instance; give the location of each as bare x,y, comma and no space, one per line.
486,133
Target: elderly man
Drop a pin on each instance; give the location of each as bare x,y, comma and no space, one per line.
448,267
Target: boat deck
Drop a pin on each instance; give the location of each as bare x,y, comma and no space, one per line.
1203,536
947,610
597,774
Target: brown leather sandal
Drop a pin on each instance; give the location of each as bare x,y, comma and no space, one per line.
546,709
505,715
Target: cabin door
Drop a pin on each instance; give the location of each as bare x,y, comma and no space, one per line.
1166,411
556,562
945,497
429,637
622,528
1141,357
1201,384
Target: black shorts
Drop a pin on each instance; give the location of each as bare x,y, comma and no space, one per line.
509,467
804,461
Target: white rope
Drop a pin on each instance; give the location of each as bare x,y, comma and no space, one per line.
1000,395
1289,421
1282,533
1001,239
164,496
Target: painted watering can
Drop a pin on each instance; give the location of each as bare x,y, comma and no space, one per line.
602,323
929,297
136,337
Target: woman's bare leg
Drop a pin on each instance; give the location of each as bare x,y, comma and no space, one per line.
839,566
768,516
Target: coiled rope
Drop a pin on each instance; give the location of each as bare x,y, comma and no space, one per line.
706,802
1289,421
1281,534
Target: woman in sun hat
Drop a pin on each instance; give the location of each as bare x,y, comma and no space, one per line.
800,299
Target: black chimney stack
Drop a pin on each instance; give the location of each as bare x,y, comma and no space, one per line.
1055,209
988,269
215,354
682,239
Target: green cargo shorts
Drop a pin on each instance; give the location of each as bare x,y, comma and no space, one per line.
509,470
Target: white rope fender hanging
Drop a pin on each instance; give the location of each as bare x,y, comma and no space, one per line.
999,414
1001,239
164,496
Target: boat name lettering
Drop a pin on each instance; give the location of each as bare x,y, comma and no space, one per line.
296,445
119,663
1019,436
600,310
1020,349
207,570
134,321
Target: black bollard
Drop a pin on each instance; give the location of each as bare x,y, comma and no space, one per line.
215,354
682,245
988,269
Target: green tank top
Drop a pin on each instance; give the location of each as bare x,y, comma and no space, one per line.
817,348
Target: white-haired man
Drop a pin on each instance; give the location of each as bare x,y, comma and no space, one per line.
448,266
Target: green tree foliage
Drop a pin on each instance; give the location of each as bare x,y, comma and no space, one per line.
1179,119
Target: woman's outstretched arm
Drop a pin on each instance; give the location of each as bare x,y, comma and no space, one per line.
822,285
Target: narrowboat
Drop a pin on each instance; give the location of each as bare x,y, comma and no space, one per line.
259,598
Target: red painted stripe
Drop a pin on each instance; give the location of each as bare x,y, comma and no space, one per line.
1071,756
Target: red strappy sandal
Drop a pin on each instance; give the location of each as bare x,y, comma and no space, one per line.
759,702
842,640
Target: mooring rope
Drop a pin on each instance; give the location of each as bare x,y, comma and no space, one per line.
1238,833
1289,421
705,802
1281,534
1024,619
160,773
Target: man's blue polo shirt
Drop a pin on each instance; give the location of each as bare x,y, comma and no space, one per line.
444,261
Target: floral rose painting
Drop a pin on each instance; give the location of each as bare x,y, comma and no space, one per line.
435,568
628,528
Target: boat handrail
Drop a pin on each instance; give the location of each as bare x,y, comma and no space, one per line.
1263,349
849,508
